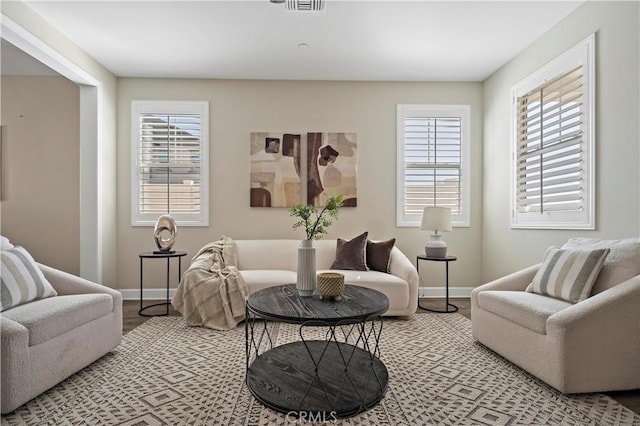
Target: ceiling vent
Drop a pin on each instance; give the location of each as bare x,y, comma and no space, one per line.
305,5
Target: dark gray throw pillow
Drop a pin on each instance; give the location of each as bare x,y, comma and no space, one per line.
351,254
379,254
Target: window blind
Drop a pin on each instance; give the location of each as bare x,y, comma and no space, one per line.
550,146
432,163
170,153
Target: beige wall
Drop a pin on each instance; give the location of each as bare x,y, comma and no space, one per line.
617,135
240,107
40,204
30,21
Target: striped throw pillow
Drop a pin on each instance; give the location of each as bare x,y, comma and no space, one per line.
21,280
568,274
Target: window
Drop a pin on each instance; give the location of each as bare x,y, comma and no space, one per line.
553,146
433,162
170,162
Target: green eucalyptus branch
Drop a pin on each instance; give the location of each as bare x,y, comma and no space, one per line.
316,223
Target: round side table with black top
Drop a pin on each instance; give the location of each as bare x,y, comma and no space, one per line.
332,370
159,255
446,259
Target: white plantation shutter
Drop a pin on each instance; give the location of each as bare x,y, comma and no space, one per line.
550,176
432,161
553,147
170,149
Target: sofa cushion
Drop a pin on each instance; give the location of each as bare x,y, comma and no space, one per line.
351,254
621,264
48,318
568,274
325,253
529,310
395,288
261,279
379,254
267,254
21,280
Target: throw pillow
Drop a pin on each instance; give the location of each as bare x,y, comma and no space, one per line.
379,254
351,254
568,274
22,280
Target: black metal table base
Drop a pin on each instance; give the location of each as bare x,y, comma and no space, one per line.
441,311
159,255
142,314
326,389
446,261
333,371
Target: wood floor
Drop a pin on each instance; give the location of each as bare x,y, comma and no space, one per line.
131,319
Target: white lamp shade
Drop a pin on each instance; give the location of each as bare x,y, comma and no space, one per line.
436,218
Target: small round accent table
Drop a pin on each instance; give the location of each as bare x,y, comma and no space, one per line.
158,255
333,370
446,259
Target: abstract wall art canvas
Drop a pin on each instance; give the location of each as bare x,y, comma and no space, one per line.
275,169
280,162
331,167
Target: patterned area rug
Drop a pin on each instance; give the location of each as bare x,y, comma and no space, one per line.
166,373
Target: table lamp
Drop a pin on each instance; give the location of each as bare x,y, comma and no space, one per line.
436,219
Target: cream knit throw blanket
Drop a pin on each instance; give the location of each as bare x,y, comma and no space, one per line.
212,292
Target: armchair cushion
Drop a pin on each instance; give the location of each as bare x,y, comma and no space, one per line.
620,265
21,280
49,318
529,310
568,274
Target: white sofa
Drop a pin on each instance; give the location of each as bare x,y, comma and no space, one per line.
589,346
47,340
267,263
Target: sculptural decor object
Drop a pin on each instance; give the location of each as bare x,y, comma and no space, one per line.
164,233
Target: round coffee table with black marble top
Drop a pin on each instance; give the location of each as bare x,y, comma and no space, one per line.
332,368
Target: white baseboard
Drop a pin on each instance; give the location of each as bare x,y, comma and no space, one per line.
161,293
149,294
440,292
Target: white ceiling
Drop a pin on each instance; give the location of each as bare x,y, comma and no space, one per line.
350,40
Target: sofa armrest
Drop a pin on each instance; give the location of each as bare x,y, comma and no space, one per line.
517,281
67,284
13,347
600,334
621,301
12,333
401,267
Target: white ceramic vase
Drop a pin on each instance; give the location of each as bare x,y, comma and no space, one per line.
306,282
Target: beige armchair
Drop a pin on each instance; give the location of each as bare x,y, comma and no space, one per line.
47,340
590,346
